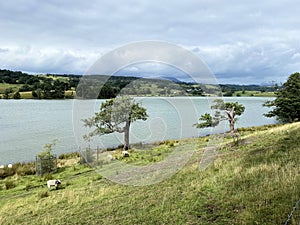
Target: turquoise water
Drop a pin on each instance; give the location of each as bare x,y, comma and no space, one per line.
27,125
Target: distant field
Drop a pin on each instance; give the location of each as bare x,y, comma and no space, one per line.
26,94
254,94
4,86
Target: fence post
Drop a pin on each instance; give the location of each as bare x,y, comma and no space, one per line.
97,154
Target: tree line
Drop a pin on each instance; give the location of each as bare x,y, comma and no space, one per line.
57,86
49,86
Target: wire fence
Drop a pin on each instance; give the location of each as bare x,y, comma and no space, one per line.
292,212
46,164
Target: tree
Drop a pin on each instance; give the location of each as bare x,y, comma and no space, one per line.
17,95
116,115
37,93
7,93
224,111
287,102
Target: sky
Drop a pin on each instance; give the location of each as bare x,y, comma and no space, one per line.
241,42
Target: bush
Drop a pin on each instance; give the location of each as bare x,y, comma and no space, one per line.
71,155
23,169
19,168
170,143
9,184
6,172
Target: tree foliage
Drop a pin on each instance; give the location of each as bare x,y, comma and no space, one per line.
116,115
17,95
224,111
287,102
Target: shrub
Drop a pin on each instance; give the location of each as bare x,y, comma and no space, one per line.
18,168
24,168
9,184
170,143
69,155
6,172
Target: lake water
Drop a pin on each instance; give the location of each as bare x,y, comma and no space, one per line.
27,125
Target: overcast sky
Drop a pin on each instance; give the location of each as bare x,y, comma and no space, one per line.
241,41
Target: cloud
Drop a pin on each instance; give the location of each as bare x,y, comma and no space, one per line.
47,60
236,38
154,70
259,62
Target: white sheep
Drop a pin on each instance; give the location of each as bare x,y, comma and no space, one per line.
109,157
54,183
9,165
125,153
1,166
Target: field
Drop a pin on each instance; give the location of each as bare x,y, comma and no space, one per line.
254,94
254,180
4,86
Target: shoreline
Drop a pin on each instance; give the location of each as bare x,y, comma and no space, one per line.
155,143
135,96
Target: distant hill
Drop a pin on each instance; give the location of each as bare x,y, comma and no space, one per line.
16,84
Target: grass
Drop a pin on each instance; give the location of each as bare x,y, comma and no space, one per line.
255,182
4,86
26,94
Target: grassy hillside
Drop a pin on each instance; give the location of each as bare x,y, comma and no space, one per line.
14,87
254,182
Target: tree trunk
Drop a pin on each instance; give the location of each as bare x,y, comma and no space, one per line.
231,120
126,135
231,125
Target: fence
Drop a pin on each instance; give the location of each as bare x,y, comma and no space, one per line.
46,164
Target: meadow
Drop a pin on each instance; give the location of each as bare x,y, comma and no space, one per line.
254,180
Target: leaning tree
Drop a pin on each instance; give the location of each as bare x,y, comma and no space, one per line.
224,111
116,115
287,102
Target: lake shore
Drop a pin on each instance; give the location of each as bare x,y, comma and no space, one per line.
170,118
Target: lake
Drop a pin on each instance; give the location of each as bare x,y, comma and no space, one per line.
27,125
